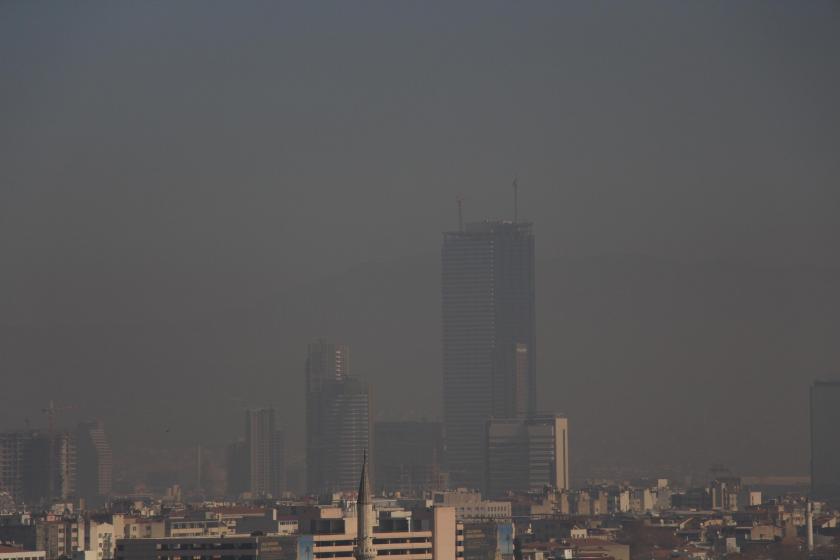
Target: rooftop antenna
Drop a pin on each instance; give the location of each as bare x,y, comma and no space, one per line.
460,201
515,199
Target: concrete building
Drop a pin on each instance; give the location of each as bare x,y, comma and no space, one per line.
12,450
209,548
489,343
100,540
264,446
59,537
469,505
39,466
16,553
526,454
338,419
420,534
238,475
408,457
825,441
94,463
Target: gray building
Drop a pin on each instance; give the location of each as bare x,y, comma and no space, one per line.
12,449
264,445
527,454
825,441
489,344
338,419
94,463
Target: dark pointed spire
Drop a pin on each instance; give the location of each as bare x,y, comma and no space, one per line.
364,483
364,515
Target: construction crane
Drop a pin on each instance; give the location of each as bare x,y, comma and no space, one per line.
460,201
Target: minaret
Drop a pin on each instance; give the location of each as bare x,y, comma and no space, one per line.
364,516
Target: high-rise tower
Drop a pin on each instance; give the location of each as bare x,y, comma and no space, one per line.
489,343
338,419
94,462
264,447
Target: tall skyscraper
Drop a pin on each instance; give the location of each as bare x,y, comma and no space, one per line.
489,343
338,419
264,458
825,441
94,462
526,454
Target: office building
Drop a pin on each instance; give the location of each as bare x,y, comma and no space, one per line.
411,534
94,464
825,441
265,453
238,476
489,344
527,454
338,419
235,547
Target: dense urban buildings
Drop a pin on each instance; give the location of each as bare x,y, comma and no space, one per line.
489,342
527,453
408,457
825,440
338,419
39,466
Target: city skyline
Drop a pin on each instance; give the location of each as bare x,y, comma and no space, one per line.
183,216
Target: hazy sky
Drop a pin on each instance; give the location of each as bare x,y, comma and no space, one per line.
188,190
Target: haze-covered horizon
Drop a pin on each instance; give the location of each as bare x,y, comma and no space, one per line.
189,192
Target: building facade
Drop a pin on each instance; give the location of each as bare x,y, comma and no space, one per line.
527,454
489,342
94,468
825,441
338,419
264,445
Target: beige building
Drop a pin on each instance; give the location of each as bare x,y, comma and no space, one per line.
15,553
423,534
469,505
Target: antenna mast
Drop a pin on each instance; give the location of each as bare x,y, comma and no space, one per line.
460,201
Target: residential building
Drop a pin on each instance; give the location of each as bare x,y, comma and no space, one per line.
16,553
235,547
469,505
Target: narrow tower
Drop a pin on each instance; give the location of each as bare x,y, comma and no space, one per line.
364,516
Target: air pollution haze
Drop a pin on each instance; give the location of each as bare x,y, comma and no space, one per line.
190,192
